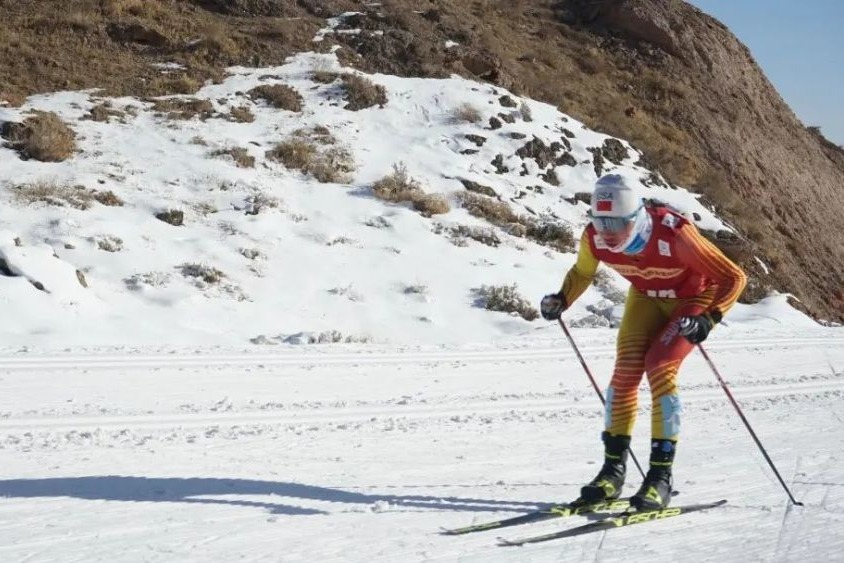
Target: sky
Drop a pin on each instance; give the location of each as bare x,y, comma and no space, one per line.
799,47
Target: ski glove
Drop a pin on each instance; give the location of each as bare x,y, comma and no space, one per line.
552,306
696,327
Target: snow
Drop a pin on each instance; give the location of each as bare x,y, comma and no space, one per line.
762,265
318,257
362,452
155,415
168,66
334,24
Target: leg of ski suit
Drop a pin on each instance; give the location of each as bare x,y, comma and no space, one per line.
648,341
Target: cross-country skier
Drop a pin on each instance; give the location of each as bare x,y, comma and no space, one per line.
681,287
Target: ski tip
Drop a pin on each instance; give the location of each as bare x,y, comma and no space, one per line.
504,542
469,529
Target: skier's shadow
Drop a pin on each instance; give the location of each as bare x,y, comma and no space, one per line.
202,490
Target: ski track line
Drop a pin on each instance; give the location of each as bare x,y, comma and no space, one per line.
132,361
339,415
100,534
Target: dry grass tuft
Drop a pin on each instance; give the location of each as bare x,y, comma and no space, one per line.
505,299
492,210
399,187
543,231
103,112
54,193
592,62
458,234
431,204
42,136
241,114
169,85
240,156
178,108
362,93
122,8
324,76
550,233
467,113
110,243
319,134
216,41
207,274
109,199
175,217
332,165
295,154
11,99
278,96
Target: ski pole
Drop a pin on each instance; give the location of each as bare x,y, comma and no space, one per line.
595,385
747,424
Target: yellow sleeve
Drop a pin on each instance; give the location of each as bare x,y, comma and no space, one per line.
579,277
704,257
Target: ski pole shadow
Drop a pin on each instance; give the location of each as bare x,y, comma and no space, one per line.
281,496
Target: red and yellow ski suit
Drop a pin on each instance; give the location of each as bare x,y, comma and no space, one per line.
678,273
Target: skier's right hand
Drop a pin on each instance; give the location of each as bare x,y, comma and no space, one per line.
552,306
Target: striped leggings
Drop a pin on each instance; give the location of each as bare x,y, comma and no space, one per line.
648,342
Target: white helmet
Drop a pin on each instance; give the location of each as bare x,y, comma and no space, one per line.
617,208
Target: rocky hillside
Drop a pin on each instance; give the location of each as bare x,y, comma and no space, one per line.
660,73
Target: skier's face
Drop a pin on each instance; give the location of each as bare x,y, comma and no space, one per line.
616,237
614,230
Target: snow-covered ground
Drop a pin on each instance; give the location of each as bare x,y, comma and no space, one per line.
361,453
157,416
296,256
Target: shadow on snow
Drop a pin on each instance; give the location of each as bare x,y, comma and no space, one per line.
193,491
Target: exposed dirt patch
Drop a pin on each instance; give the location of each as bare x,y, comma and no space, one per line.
48,45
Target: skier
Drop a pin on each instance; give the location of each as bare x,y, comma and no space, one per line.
681,287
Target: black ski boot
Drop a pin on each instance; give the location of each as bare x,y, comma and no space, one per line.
655,492
607,484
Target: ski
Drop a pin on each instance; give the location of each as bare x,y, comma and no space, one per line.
576,508
620,520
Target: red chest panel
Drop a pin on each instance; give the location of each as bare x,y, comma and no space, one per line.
657,271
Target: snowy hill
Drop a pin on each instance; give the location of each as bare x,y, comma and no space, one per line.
275,252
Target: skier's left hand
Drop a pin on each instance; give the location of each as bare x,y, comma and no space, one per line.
696,327
552,306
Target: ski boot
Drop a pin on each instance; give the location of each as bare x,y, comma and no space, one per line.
655,492
607,484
